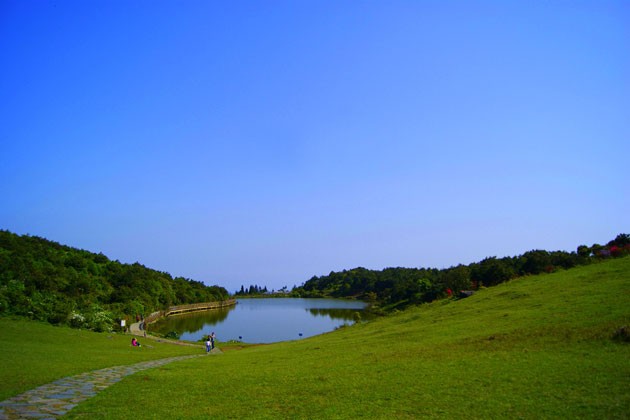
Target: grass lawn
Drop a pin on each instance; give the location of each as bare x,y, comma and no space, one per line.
36,353
536,347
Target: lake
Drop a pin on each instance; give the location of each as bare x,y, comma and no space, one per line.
267,320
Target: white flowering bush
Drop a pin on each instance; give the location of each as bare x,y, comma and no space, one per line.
100,320
76,320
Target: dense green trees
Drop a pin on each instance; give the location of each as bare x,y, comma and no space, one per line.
391,285
47,281
403,286
457,278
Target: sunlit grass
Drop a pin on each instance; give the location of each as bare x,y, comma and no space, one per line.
36,353
537,347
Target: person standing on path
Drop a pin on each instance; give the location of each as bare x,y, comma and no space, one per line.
208,345
212,337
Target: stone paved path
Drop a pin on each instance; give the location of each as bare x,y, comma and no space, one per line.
57,398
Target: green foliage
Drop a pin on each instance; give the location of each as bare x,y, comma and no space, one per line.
100,320
457,278
255,290
492,271
584,251
622,240
400,287
172,335
77,320
46,281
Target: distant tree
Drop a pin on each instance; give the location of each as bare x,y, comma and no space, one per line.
583,251
620,241
565,259
491,271
457,278
597,250
535,262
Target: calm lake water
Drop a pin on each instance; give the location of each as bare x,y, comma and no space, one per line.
264,320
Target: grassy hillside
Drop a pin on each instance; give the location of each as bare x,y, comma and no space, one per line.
35,353
535,347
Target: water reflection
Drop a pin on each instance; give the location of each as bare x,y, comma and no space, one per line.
266,320
335,313
191,322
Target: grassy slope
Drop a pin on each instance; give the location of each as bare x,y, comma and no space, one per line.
535,347
36,353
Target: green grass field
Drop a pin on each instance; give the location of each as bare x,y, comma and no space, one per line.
36,353
536,347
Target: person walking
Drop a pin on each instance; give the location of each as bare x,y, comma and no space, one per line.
208,344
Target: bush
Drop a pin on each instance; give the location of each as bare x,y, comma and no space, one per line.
76,320
172,335
101,321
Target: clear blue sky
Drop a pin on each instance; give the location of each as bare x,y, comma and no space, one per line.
264,142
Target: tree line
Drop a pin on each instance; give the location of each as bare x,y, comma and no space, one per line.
252,290
255,290
399,287
46,281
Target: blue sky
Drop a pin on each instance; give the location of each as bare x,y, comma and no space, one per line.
264,142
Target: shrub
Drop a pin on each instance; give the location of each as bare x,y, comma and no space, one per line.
76,320
100,320
172,335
